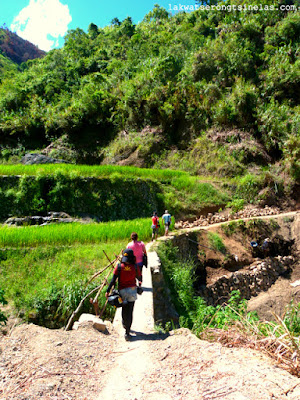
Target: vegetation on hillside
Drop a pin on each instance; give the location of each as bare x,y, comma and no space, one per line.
105,192
222,85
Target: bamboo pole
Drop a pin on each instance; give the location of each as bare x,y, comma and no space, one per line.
99,288
95,301
100,272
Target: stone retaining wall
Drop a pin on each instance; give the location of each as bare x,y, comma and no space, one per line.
260,277
164,310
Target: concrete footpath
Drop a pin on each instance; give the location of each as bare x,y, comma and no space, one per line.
132,360
143,320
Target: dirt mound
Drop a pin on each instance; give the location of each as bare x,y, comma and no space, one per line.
38,363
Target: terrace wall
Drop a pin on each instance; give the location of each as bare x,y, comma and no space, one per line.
107,199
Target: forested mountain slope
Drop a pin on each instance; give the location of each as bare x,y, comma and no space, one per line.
16,50
208,91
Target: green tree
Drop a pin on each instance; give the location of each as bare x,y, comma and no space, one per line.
93,31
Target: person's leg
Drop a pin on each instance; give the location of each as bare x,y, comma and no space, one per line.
140,265
127,313
153,234
167,229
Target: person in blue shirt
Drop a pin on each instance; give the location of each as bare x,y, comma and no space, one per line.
167,221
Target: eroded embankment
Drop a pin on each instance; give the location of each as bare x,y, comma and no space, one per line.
226,261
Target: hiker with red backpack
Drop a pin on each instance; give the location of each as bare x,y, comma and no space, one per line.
127,273
155,225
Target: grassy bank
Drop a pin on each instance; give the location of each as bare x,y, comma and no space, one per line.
47,283
98,171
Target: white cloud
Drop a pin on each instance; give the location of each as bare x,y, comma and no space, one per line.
42,22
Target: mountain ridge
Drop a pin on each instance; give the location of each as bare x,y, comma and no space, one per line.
16,49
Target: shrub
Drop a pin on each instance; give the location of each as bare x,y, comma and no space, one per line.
3,318
216,242
236,205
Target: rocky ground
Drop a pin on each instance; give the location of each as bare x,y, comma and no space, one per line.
249,211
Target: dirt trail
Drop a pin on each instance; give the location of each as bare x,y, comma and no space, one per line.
273,216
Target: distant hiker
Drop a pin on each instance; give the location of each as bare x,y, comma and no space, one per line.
167,221
127,272
155,225
139,251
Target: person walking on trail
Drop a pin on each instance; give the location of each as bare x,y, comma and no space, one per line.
139,250
167,221
127,272
155,225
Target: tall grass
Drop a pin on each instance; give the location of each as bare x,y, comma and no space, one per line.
216,242
91,171
46,283
71,233
45,269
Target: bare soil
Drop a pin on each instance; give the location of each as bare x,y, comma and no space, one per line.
37,363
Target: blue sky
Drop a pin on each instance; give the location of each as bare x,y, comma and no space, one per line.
45,22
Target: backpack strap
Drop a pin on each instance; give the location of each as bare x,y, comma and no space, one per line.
119,272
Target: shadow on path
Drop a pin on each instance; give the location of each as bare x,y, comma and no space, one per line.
147,289
148,336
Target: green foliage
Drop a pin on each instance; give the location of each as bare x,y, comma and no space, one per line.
194,313
248,187
3,301
233,226
216,242
51,279
236,205
184,73
100,190
292,318
180,276
291,149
